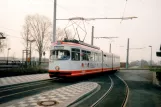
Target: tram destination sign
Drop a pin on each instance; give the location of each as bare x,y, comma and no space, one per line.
58,47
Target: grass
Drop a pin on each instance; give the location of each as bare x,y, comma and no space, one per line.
155,68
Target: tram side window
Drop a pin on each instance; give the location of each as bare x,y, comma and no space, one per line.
91,57
100,57
60,55
88,55
96,57
85,55
75,54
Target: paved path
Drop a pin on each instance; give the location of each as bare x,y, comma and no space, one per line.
142,92
23,79
63,96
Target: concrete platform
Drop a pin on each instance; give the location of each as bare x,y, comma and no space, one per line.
23,79
61,97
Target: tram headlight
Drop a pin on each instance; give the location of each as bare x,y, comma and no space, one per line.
57,68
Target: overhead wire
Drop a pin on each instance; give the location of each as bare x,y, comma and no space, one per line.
73,22
124,10
11,30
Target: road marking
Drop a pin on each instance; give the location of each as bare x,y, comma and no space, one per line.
104,95
127,91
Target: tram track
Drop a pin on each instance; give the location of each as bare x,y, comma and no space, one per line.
18,86
23,90
114,92
118,95
127,91
104,95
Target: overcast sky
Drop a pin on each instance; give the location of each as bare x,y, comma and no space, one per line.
143,31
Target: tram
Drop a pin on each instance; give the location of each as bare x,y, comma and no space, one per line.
75,58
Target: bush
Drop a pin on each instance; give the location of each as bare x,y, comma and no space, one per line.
158,76
21,71
156,69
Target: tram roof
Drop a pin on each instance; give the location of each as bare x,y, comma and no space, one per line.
76,43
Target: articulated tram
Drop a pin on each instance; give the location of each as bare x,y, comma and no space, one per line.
68,59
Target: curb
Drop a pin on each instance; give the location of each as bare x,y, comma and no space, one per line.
84,96
20,78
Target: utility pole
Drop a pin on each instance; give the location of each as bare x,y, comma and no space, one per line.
151,56
8,54
27,49
31,41
110,48
92,35
54,22
127,57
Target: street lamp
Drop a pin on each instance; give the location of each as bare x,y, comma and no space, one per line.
31,41
151,55
8,54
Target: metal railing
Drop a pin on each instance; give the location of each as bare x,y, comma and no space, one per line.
22,64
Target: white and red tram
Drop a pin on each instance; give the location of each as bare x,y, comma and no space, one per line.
69,59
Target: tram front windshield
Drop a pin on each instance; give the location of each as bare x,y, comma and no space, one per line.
60,55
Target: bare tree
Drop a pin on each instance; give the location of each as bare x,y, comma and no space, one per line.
2,45
39,29
26,35
26,32
3,42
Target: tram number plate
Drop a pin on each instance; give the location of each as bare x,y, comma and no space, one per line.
58,47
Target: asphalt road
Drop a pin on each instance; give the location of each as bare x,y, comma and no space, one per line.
112,91
105,80
142,92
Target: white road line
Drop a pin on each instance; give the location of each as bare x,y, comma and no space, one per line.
128,92
112,84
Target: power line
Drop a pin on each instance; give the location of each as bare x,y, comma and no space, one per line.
9,29
15,36
64,8
124,10
98,18
11,35
105,37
